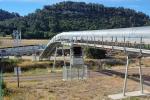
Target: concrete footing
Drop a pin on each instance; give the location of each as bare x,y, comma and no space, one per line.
129,94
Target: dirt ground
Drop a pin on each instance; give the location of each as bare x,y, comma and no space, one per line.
97,87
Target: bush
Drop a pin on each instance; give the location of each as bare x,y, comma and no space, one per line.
114,62
95,53
91,64
5,90
8,64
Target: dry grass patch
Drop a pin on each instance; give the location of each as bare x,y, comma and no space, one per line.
95,88
146,62
8,42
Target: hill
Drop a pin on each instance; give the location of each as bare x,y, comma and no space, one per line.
7,15
73,16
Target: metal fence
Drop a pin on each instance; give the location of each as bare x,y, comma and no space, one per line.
75,72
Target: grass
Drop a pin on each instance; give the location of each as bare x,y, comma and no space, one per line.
34,72
132,98
19,93
146,62
8,42
6,37
31,64
96,88
29,67
37,71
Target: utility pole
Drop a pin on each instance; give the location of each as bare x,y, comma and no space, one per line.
17,41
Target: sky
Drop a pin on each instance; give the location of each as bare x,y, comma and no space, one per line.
24,7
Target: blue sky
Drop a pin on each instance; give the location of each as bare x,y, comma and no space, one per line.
23,7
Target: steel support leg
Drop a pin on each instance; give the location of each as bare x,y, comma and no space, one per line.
94,42
70,65
102,42
126,75
63,53
87,42
140,69
54,64
70,72
141,79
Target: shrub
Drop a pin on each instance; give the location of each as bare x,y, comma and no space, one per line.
5,90
8,64
95,53
114,62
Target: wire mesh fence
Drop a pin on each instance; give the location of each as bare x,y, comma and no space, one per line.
75,72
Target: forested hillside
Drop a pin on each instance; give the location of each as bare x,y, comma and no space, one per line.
73,16
6,15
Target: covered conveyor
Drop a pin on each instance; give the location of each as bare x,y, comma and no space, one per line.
135,39
110,37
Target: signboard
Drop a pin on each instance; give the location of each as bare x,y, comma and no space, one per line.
17,70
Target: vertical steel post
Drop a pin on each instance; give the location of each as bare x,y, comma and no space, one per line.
102,42
116,41
126,72
87,42
70,64
98,40
83,70
70,59
17,40
76,39
55,38
112,43
126,75
81,39
63,53
91,39
18,80
140,69
141,79
20,36
124,45
78,72
54,64
141,45
94,42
